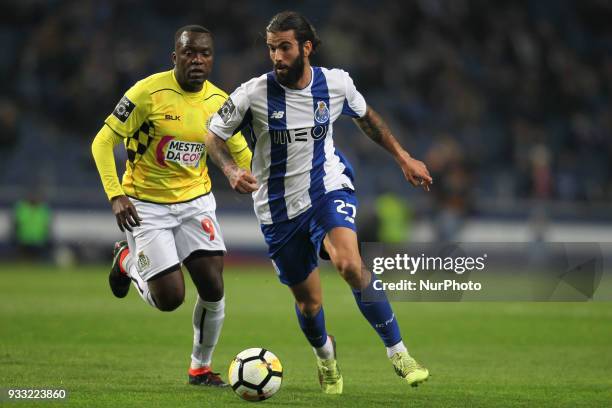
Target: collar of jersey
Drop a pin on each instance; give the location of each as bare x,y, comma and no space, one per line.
306,88
188,94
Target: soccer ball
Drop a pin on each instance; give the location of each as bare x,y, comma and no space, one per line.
255,374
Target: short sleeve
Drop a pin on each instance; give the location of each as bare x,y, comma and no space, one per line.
354,103
228,119
131,111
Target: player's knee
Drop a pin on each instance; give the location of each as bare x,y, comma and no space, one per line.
310,308
168,305
170,302
207,274
214,292
350,270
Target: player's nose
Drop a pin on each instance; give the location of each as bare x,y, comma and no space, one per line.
276,56
198,59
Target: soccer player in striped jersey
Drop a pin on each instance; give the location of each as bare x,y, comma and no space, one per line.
303,186
165,201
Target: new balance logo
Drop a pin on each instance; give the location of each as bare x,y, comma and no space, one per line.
277,115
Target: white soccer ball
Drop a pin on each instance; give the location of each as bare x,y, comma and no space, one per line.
255,374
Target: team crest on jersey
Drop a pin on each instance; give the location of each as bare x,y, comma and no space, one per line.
225,112
124,109
322,113
143,261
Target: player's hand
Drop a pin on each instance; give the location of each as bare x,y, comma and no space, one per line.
415,171
242,180
125,213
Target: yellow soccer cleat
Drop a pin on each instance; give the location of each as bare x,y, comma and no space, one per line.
330,377
407,367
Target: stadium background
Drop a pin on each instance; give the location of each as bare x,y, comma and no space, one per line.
508,102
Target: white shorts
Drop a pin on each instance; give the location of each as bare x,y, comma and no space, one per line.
169,233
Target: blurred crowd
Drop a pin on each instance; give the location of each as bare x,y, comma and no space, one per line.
505,100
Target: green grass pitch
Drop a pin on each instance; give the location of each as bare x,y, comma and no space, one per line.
64,329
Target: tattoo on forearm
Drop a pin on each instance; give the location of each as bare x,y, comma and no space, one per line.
374,126
219,153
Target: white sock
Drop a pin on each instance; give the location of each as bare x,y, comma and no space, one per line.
397,348
207,322
326,351
141,286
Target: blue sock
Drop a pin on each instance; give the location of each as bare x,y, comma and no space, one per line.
313,327
379,314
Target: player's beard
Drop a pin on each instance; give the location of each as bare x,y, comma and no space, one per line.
294,72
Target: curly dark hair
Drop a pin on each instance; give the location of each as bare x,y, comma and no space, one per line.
291,20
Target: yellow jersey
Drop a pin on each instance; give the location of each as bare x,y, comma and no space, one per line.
163,128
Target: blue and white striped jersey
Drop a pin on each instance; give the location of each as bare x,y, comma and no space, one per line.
294,158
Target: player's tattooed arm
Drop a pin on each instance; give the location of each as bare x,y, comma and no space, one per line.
376,129
240,179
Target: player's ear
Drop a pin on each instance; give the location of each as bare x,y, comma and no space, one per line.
307,48
174,57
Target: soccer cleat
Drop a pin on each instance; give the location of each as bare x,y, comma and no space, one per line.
407,367
205,376
330,376
119,282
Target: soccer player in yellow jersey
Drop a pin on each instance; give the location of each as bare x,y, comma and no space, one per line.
165,201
